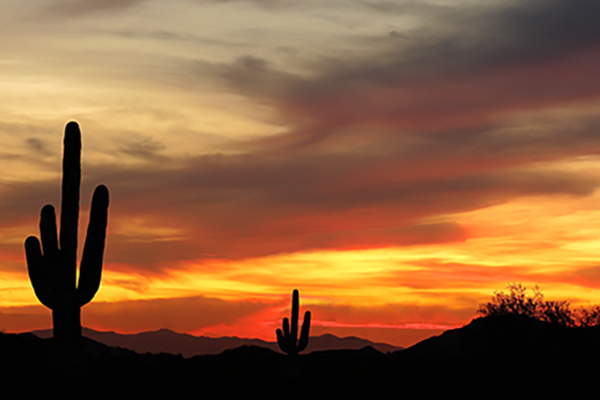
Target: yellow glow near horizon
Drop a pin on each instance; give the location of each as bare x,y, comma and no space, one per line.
541,244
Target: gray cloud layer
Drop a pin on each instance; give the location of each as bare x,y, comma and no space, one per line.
467,67
257,204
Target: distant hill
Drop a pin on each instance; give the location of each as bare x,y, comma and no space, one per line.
167,341
511,336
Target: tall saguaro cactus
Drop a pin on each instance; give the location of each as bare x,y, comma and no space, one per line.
53,273
288,341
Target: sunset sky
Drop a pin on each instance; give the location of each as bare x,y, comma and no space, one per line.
396,161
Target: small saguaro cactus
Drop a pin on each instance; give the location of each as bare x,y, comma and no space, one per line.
53,273
288,341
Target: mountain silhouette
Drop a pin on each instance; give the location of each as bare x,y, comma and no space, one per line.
509,336
168,341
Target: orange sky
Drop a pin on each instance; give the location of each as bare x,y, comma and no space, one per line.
397,162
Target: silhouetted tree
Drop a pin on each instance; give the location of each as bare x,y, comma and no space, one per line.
555,312
516,302
588,316
53,273
288,341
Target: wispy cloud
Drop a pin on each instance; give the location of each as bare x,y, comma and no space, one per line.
73,8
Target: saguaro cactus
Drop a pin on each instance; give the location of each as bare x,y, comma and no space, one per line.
288,341
53,273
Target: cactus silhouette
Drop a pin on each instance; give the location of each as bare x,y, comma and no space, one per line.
53,273
288,341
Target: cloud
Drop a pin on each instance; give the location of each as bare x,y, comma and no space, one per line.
180,314
267,4
183,314
35,145
252,76
145,148
244,206
83,7
264,202
557,24
463,67
24,318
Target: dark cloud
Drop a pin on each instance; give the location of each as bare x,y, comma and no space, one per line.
265,202
406,7
145,148
267,4
9,156
478,36
158,257
33,144
83,7
23,201
255,77
38,146
465,66
556,24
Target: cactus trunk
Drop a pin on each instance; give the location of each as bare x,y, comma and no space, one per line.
66,322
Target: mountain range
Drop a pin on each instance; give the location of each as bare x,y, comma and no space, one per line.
168,341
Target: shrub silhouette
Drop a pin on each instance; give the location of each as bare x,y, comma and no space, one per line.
288,341
516,302
53,273
588,316
555,312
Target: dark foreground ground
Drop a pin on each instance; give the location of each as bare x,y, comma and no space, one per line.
510,357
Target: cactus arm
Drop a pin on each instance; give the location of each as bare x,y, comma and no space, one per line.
285,344
90,270
40,266
281,341
69,218
286,328
38,273
295,306
304,334
48,234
